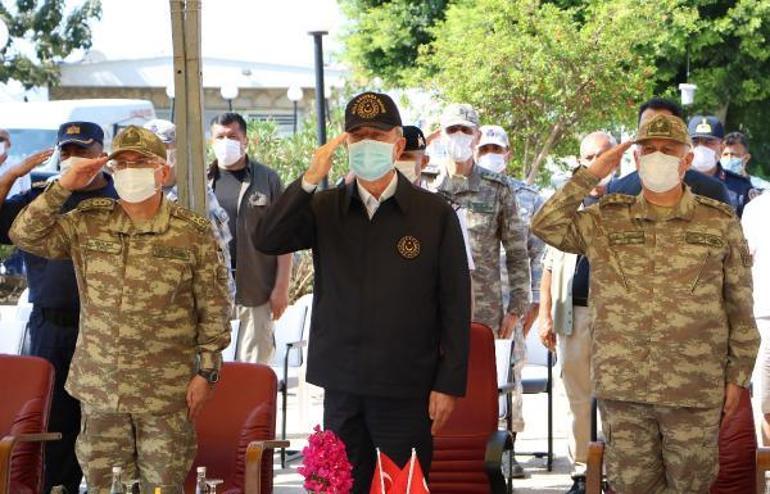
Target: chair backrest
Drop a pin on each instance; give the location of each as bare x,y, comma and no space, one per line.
241,410
737,450
291,328
459,447
26,385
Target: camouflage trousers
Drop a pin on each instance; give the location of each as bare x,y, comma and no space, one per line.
660,450
158,450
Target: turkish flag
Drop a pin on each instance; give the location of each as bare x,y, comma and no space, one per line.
410,480
385,473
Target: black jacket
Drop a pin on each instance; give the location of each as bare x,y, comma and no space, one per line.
391,316
700,184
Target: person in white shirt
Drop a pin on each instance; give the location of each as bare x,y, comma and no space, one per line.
757,234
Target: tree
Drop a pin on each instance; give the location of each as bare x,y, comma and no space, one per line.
384,36
728,47
52,35
541,72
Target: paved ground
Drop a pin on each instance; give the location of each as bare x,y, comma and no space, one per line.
539,481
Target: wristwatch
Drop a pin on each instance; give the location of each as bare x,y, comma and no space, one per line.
212,376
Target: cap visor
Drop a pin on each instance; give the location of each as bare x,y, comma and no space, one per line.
459,121
78,142
496,142
133,149
376,125
703,136
649,138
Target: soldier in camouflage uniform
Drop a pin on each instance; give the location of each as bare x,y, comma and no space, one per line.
493,153
154,312
665,365
493,220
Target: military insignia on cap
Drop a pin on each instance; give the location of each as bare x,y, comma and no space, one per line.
131,137
368,106
659,127
704,127
421,141
409,247
73,130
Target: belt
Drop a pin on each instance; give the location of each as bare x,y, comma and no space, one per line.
580,301
60,317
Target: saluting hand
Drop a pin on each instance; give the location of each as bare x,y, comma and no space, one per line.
322,160
440,408
29,163
81,173
608,160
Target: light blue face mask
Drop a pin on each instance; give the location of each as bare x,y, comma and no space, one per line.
733,164
370,160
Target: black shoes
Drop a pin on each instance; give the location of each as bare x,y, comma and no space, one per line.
578,486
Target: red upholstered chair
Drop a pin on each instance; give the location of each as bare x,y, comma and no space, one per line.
737,450
467,451
236,430
26,384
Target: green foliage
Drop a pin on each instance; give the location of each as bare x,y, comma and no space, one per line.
728,43
384,36
540,72
52,35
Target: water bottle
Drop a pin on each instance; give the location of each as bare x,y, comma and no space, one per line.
200,483
117,483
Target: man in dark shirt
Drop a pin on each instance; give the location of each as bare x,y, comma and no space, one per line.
391,302
53,325
699,183
245,189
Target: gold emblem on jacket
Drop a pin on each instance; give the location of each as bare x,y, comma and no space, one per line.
408,247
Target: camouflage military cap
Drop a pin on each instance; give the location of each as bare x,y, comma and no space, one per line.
138,140
663,127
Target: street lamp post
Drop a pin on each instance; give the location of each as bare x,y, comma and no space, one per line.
320,98
295,96
171,93
229,92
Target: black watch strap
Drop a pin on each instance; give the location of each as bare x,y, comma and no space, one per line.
212,376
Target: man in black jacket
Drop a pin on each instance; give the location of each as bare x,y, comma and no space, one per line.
699,183
391,307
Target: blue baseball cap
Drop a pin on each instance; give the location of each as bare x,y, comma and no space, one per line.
79,133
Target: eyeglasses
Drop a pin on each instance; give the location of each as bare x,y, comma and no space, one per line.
117,165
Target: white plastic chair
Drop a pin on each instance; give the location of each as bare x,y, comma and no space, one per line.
13,324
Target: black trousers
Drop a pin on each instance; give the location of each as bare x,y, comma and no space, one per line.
56,343
394,425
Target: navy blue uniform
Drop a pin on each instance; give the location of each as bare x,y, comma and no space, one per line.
52,332
738,187
701,184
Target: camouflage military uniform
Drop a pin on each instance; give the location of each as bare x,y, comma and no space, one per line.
494,219
672,322
154,307
529,202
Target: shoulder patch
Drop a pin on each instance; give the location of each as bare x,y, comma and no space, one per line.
201,223
612,199
96,203
707,201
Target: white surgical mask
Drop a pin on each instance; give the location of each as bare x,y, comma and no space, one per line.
659,172
407,169
704,158
370,160
228,152
493,162
458,146
135,184
67,164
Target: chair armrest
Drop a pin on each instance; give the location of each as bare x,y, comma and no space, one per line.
6,448
763,465
498,442
253,474
39,437
506,388
594,467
